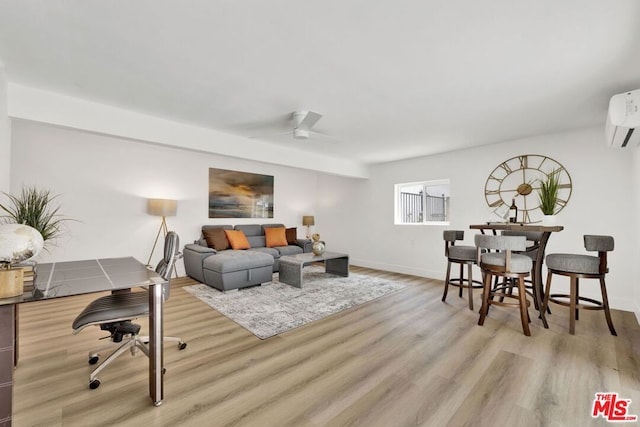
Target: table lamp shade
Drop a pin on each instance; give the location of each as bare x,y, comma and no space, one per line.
308,220
162,207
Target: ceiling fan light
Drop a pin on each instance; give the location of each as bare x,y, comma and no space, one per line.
300,134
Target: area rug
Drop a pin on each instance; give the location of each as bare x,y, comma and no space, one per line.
275,307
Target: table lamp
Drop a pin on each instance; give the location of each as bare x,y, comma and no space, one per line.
308,220
163,208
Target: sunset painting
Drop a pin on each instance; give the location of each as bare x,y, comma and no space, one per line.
234,194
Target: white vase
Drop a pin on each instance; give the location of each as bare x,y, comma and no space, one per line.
549,220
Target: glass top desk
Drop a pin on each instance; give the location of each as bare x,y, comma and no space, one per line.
61,279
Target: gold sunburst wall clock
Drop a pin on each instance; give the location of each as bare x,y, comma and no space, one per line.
519,178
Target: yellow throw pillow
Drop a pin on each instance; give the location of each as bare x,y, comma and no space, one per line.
275,236
237,239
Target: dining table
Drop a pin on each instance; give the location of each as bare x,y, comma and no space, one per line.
546,230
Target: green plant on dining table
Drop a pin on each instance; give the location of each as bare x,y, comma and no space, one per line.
548,192
36,208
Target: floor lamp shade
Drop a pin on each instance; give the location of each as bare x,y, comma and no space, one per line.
162,207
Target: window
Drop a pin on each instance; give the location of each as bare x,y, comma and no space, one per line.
424,202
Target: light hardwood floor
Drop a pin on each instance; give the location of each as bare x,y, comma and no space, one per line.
403,359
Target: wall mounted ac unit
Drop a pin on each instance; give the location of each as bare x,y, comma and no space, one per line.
623,120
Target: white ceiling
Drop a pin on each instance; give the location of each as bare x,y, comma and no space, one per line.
393,78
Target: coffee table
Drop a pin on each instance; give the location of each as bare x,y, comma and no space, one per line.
291,266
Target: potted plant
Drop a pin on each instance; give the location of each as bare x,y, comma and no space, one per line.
548,195
36,208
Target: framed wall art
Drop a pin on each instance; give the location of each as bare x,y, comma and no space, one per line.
234,194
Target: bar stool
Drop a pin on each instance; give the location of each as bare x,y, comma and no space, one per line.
533,244
504,263
578,267
461,255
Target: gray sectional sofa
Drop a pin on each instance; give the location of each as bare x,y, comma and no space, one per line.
233,269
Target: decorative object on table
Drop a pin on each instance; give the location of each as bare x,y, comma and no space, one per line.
519,178
513,212
234,194
163,208
308,221
275,307
18,243
548,196
36,208
317,247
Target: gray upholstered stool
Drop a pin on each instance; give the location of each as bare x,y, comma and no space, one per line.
463,256
576,267
504,263
533,244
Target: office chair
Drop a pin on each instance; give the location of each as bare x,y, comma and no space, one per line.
115,312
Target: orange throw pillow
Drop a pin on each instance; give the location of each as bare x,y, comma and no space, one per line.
275,236
237,239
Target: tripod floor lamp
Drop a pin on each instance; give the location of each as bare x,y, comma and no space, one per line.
163,208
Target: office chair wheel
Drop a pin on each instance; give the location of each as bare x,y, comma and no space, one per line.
94,384
94,359
182,345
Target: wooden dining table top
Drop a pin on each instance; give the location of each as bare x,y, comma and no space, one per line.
517,226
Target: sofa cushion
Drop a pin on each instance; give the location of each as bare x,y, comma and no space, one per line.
271,251
216,238
275,236
229,261
292,235
237,239
250,229
289,250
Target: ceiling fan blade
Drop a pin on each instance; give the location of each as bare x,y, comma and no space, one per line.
271,134
308,120
323,136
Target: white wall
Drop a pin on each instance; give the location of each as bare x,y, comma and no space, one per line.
103,183
5,133
601,203
29,103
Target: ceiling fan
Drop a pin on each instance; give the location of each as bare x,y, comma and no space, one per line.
302,122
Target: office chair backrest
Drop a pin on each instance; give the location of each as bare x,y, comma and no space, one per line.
167,263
